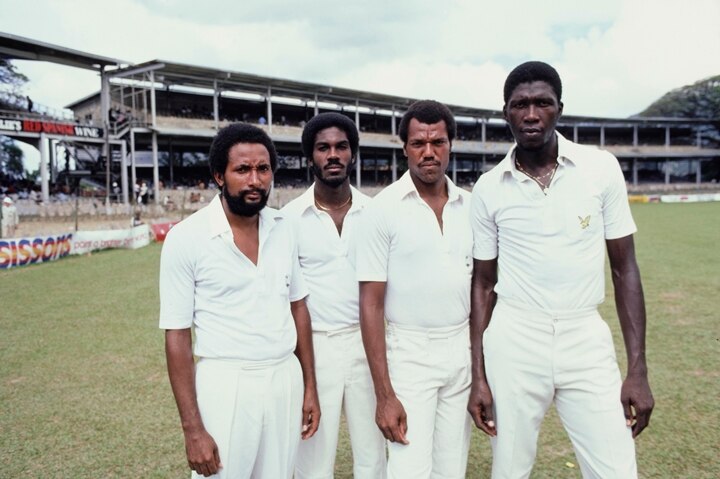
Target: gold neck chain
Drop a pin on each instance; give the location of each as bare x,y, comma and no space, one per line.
539,179
327,208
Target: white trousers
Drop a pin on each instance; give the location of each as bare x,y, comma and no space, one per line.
430,373
253,411
533,358
344,384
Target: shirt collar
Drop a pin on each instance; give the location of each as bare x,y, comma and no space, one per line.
407,187
219,223
566,152
307,200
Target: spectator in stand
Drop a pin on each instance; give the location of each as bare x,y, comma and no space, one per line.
10,218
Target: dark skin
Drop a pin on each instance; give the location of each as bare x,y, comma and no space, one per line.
532,113
248,168
332,159
428,153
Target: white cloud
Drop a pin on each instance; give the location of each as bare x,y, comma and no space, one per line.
615,56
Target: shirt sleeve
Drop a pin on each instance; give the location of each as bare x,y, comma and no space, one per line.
373,245
298,288
177,284
617,218
485,235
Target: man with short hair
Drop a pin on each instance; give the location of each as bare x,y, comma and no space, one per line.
230,272
326,222
414,266
542,220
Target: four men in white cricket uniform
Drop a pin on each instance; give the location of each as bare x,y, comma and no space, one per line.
326,220
237,272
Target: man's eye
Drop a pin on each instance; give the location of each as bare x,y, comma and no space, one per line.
243,169
263,168
440,142
417,144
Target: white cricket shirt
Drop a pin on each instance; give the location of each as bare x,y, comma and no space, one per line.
238,310
551,249
327,259
427,271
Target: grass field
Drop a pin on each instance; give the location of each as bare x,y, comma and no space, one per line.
84,392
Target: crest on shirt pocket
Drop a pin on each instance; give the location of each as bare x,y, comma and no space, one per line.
584,222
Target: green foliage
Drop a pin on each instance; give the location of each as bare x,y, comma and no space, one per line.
11,158
84,391
699,100
10,77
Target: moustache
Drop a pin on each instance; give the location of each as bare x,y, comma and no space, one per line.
332,162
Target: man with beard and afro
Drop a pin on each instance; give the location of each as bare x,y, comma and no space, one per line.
325,219
230,272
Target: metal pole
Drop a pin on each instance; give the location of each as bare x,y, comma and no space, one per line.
44,185
133,172
123,172
156,167
216,112
269,109
105,106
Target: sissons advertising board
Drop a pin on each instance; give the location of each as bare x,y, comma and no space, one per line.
18,252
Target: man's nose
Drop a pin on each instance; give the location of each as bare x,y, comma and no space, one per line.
428,151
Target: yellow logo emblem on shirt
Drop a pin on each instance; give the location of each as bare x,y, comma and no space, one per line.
584,222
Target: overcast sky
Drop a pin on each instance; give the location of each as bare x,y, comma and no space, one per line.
615,56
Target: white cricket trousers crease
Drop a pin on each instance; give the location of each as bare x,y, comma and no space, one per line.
534,358
253,411
430,373
344,384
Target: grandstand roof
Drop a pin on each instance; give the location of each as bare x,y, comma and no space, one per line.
13,47
203,77
194,76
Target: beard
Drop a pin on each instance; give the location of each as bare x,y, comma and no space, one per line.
333,181
238,205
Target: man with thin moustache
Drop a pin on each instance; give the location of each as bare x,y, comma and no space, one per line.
414,267
542,221
230,272
326,222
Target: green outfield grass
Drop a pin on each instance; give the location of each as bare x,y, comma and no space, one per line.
84,392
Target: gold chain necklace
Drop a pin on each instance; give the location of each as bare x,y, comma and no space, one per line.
538,179
327,208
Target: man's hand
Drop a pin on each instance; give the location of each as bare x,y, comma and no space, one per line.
202,453
391,419
310,413
637,401
480,407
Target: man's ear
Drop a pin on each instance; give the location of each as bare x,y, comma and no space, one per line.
560,110
405,150
219,179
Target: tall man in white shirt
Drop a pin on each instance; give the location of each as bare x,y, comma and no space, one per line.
230,272
414,266
542,220
326,222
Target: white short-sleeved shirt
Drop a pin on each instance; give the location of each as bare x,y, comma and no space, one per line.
551,249
238,310
427,271
327,259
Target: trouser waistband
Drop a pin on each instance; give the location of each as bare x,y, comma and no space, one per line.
338,332
245,364
431,333
533,311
